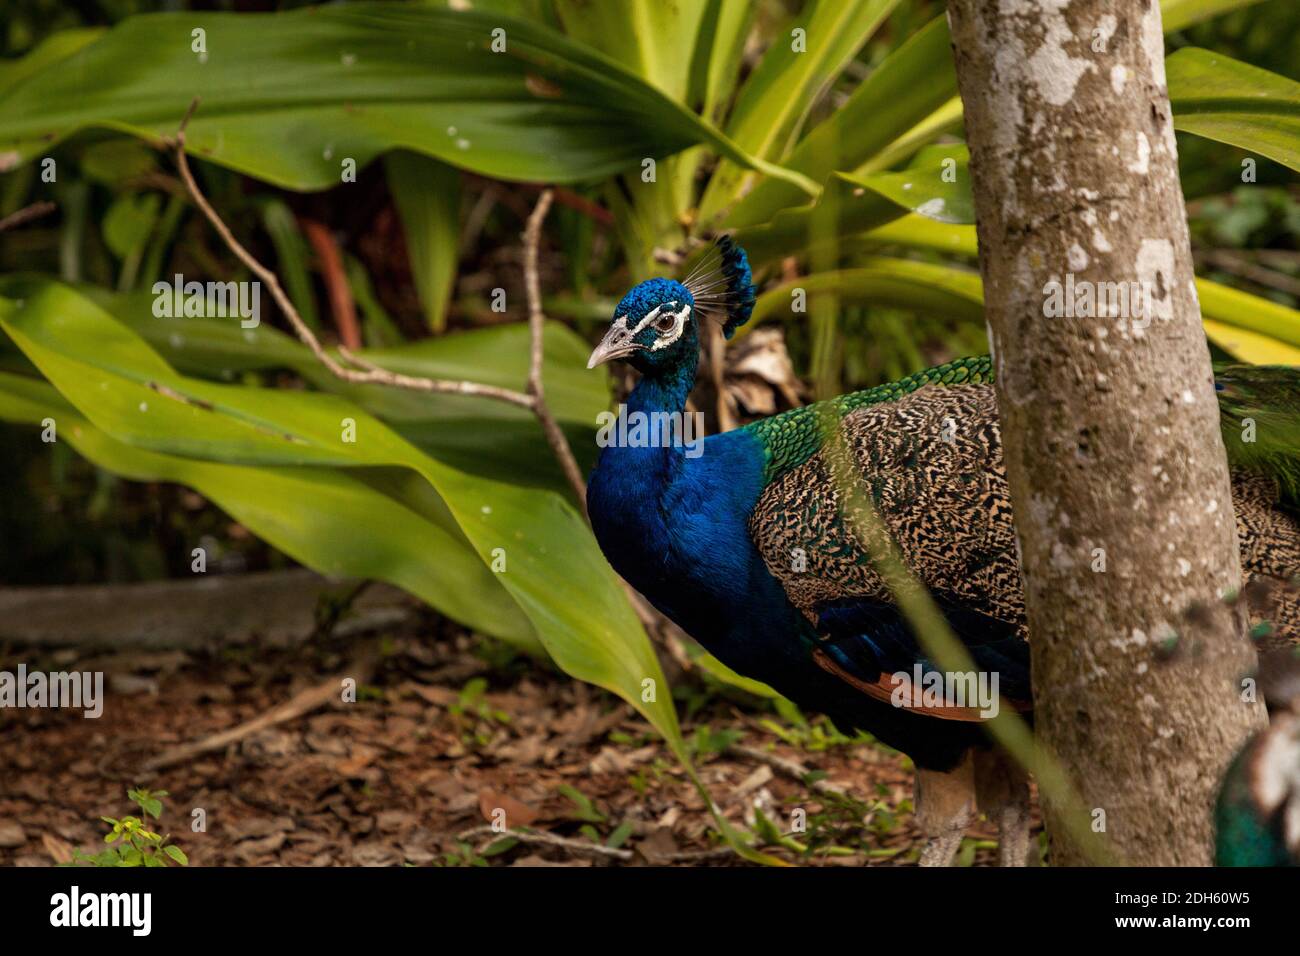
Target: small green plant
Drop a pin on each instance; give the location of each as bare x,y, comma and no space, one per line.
131,842
477,720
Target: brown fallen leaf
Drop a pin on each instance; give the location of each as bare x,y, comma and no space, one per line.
658,847
60,851
517,814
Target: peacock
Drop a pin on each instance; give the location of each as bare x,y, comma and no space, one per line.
1257,815
744,544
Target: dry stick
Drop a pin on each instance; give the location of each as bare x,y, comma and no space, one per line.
297,706
25,215
536,327
371,374
542,838
790,768
343,308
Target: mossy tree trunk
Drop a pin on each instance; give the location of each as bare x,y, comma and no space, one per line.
1110,422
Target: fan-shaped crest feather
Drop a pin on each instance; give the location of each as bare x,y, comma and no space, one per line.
723,285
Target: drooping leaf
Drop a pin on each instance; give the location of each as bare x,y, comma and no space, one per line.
798,66
911,82
936,185
1251,327
1224,99
293,97
325,518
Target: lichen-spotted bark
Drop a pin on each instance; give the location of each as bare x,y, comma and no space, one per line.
1109,418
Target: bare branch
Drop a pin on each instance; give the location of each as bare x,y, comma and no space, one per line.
371,374
543,838
25,215
537,325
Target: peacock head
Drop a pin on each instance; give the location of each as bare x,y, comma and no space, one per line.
657,325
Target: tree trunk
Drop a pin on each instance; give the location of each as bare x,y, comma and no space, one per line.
1110,423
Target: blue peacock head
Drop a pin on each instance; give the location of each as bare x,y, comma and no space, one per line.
657,325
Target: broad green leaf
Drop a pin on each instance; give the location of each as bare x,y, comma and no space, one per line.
910,83
51,50
1251,327
908,100
920,232
1177,14
1251,347
292,97
475,435
936,185
777,95
1250,313
903,283
326,519
1226,100
651,38
719,52
427,194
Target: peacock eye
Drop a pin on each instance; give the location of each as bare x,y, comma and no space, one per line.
666,322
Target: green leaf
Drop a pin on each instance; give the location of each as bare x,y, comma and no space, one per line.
902,283
326,519
1250,327
904,103
653,39
128,222
473,434
1178,14
177,854
936,185
427,194
51,50
291,258
778,94
910,83
1223,99
290,97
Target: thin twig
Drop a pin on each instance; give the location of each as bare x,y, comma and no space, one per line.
542,838
790,768
371,374
299,705
25,215
537,325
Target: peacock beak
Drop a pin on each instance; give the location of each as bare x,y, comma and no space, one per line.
616,344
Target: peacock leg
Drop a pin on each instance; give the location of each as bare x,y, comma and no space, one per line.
1002,789
945,806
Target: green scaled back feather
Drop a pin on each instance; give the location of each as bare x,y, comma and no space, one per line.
1259,410
791,438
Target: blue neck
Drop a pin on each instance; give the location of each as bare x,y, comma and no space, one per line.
663,390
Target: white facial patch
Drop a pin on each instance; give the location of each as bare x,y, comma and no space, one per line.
679,324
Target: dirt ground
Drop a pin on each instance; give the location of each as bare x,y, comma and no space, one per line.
448,731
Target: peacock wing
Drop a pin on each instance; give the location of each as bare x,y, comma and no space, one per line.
930,463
